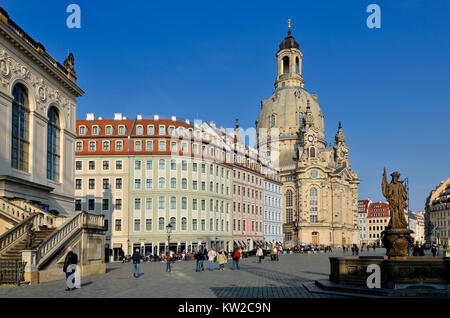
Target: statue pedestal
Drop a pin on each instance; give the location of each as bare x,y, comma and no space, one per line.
396,242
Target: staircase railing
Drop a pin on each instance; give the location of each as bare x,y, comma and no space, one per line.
77,222
45,217
17,232
13,211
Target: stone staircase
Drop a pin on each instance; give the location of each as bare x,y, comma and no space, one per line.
15,251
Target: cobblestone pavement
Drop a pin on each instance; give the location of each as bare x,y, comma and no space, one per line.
283,279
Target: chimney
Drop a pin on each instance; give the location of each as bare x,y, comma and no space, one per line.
117,116
156,117
90,116
237,123
139,117
174,118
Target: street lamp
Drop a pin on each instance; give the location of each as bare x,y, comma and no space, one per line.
437,236
169,231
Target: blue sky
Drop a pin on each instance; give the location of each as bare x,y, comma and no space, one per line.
214,60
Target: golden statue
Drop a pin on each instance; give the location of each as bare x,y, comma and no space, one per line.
289,24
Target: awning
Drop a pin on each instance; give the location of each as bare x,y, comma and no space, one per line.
117,245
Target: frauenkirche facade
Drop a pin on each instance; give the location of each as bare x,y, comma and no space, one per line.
320,190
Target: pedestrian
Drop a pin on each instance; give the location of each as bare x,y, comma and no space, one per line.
434,250
368,248
71,258
374,247
277,251
221,260
136,262
236,257
356,250
198,256
343,247
272,254
260,254
211,256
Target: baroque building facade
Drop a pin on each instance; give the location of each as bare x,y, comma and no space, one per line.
37,132
437,215
320,190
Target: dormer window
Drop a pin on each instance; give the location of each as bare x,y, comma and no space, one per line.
162,130
121,130
139,130
181,131
171,130
109,130
95,130
150,129
82,130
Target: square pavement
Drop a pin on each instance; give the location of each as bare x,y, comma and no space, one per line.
270,279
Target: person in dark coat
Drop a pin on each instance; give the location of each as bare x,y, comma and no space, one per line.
71,259
136,262
198,256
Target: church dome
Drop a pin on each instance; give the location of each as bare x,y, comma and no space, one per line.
289,42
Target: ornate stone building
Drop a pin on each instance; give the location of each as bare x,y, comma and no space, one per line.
320,190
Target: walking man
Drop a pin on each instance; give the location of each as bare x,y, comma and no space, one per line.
260,253
199,258
236,257
211,257
136,262
71,259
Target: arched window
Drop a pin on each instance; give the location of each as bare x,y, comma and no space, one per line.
285,65
173,222
53,144
300,119
289,198
183,224
19,136
173,203
184,183
162,183
184,203
313,196
297,64
161,226
162,164
272,120
173,183
312,152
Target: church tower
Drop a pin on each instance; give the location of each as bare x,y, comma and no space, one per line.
320,190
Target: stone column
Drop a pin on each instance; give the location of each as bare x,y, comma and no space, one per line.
31,271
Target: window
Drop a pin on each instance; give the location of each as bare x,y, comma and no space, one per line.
91,184
161,225
161,203
150,129
173,203
194,224
79,146
162,164
289,198
183,203
272,120
162,130
118,164
78,165
118,226
162,145
137,145
203,225
171,130
121,130
173,146
183,224
119,145
148,225
92,146
313,196
95,130
313,215
173,222
20,122
148,203
300,119
149,164
137,225
194,204
173,183
173,165
78,184
91,204
312,152
105,165
203,186
137,183
184,165
288,215
118,204
149,183
105,205
106,145
82,130
53,144
194,185
105,184
139,130
203,168
137,204
162,183
184,183
149,145
194,167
